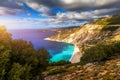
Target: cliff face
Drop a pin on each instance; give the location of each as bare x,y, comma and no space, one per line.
88,34
101,30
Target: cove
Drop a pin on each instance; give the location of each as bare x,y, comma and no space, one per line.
58,50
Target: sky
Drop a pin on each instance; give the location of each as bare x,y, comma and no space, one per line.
47,14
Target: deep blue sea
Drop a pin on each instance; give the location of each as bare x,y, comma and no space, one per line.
58,50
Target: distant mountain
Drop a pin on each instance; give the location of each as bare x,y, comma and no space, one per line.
101,30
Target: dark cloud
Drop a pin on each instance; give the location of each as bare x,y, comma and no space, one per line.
74,4
14,4
77,9
11,6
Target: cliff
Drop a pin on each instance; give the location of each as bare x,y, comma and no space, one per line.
101,30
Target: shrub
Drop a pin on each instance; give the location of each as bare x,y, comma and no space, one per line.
19,60
110,28
100,52
62,62
57,71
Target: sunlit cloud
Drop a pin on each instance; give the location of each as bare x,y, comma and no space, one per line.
54,13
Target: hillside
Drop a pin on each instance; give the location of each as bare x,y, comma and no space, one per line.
110,70
101,30
109,26
97,45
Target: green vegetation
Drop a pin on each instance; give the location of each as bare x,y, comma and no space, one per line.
114,20
19,60
108,71
98,41
111,20
54,72
101,21
62,62
110,28
100,52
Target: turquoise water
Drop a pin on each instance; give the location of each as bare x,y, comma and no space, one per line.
64,55
58,50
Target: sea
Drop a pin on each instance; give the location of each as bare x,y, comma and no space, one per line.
57,50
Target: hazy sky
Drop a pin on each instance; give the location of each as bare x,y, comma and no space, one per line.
44,14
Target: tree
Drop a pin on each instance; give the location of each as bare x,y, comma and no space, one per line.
4,59
19,60
19,72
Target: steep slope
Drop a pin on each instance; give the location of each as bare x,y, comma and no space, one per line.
101,30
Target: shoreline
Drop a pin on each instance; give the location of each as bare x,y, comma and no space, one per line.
75,58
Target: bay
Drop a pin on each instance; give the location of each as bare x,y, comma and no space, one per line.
58,50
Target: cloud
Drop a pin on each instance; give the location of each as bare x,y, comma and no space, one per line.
4,10
86,15
10,6
29,23
89,4
25,23
73,4
76,9
13,4
38,7
76,12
